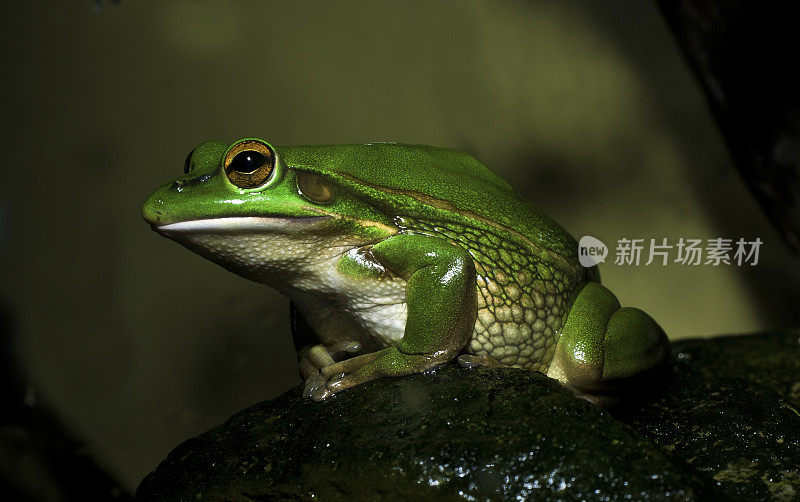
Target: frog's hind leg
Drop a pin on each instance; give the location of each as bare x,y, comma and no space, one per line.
605,350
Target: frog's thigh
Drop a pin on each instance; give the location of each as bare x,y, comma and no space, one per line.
602,346
441,298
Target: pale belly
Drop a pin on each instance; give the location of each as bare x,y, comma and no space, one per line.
373,313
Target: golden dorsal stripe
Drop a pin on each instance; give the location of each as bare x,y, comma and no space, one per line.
365,223
449,206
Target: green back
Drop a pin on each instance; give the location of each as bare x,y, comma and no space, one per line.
441,173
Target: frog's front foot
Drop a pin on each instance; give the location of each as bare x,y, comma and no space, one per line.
319,357
345,374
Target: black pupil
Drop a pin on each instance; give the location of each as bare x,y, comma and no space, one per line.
187,164
247,161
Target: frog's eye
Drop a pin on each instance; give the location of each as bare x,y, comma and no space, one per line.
313,187
249,163
187,164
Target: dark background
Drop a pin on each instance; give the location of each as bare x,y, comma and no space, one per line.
587,108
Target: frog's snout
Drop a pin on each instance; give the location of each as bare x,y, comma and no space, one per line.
152,211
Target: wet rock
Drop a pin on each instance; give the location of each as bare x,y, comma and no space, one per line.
732,412
725,427
770,360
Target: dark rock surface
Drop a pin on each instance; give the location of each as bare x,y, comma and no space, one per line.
733,413
726,426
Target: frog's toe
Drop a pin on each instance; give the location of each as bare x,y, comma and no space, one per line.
473,361
343,375
320,393
345,348
346,381
319,357
307,369
386,362
365,372
312,384
318,368
337,370
322,356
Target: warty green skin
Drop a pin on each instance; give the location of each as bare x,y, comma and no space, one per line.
420,255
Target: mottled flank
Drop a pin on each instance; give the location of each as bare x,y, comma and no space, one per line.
524,293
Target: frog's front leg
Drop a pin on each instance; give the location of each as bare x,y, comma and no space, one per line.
312,356
441,299
604,349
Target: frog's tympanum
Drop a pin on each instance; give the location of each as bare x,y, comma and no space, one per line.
400,258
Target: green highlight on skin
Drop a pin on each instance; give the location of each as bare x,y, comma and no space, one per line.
602,344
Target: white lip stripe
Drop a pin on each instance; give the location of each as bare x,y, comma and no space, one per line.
237,223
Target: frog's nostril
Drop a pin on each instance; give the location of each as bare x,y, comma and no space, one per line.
179,185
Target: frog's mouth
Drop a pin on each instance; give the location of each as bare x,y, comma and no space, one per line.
240,224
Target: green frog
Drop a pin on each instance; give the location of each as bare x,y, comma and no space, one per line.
400,258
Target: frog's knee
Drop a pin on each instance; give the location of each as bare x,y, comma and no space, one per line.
605,347
635,344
